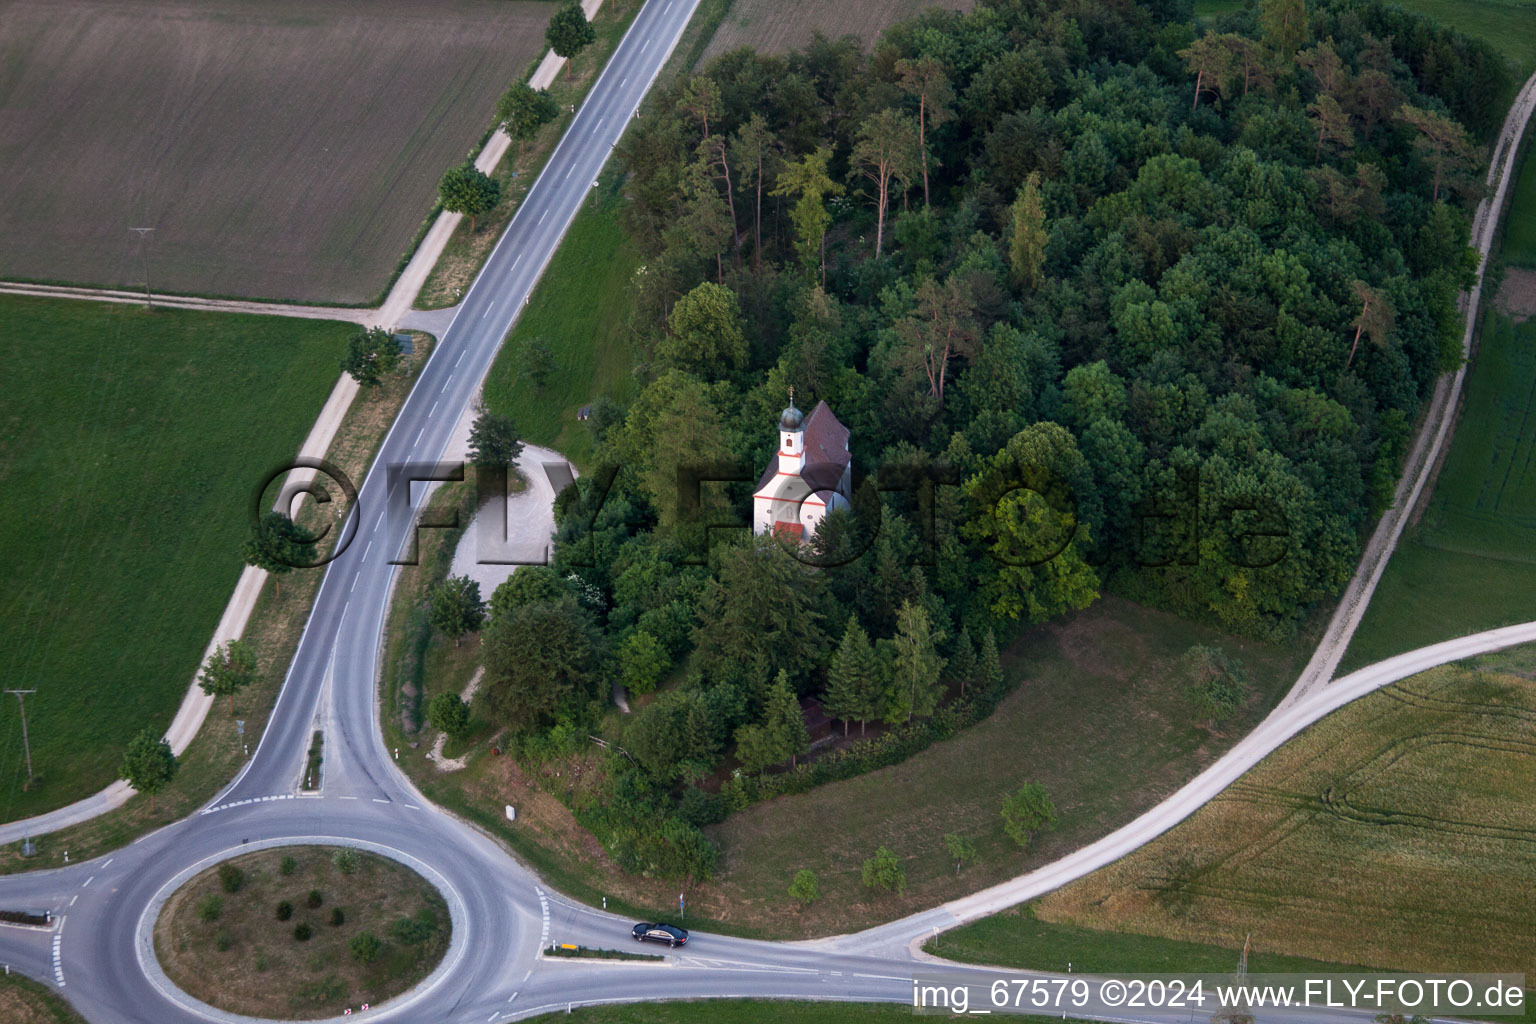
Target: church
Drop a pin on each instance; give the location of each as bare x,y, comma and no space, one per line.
809,476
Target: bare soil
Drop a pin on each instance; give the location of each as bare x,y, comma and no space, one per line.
279,149
1517,297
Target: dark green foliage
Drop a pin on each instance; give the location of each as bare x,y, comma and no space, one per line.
210,908
229,669
284,910
804,888
413,931
449,713
468,190
222,941
372,354
287,866
314,899
302,932
884,871
338,917
569,32
1026,811
231,878
1218,685
541,658
493,441
148,764
279,545
523,110
455,607
365,947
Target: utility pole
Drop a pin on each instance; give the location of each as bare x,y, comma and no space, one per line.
144,252
26,745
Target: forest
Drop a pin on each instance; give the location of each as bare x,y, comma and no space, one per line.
1109,300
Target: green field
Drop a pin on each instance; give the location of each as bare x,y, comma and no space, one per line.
131,443
580,310
1520,221
1504,23
1470,563
1396,833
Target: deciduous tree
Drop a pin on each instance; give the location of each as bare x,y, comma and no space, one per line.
1026,811
455,607
372,353
884,871
279,545
915,666
808,180
148,764
1026,249
230,668
568,33
468,190
493,441
448,713
523,110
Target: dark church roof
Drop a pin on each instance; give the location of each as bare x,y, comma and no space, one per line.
826,451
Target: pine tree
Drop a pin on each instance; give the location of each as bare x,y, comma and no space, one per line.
916,665
962,663
853,682
785,720
989,670
1026,252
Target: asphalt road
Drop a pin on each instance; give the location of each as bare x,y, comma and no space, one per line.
99,954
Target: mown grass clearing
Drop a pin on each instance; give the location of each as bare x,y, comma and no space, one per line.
777,26
278,149
283,941
1395,833
1101,718
580,312
1470,563
128,462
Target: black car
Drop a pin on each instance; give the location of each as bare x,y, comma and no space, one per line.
672,936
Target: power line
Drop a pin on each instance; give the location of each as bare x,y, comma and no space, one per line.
21,698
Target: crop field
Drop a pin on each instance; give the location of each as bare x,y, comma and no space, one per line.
127,461
774,26
278,149
1396,833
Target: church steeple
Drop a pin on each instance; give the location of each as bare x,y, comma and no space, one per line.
791,437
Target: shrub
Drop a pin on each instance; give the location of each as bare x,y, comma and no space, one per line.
365,947
337,917
1219,684
287,866
211,907
284,910
260,961
314,899
347,861
449,713
303,932
884,871
804,887
231,878
222,941
413,930
1026,811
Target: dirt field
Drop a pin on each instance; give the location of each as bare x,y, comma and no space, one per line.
774,26
279,149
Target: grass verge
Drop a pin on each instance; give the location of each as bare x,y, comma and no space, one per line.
276,624
752,1011
580,312
24,1001
1395,833
1520,223
302,932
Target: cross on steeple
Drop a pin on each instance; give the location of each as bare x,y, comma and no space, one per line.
791,394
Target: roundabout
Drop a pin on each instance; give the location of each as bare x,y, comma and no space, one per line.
295,930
